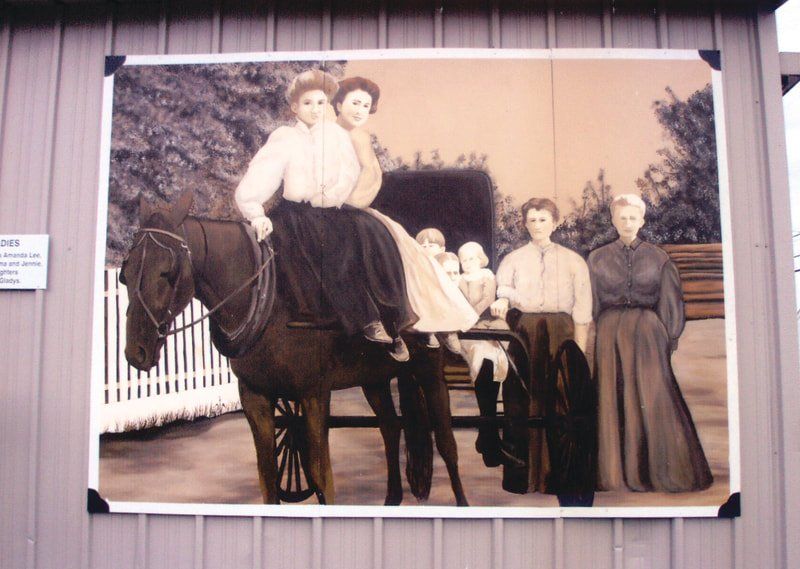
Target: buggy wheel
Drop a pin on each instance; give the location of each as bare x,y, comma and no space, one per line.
572,426
291,454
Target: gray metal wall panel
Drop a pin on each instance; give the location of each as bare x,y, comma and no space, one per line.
690,27
466,543
43,523
355,24
589,544
164,541
706,545
247,25
754,294
465,24
784,348
523,25
646,544
232,539
348,543
578,26
135,28
112,542
407,544
410,24
528,544
191,27
634,24
289,543
299,26
24,188
70,218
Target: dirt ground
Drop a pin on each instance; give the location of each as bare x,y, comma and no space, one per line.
213,460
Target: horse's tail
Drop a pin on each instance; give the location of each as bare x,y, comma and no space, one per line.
417,430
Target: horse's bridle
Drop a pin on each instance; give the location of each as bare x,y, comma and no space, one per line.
162,327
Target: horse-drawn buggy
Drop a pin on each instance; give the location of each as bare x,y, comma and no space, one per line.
287,367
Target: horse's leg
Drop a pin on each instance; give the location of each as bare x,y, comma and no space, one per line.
316,409
380,399
260,413
439,409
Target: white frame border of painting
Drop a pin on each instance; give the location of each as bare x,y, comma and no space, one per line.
415,511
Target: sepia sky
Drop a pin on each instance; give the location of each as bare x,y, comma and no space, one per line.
547,127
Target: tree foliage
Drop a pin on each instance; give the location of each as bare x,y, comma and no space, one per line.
588,225
196,127
681,190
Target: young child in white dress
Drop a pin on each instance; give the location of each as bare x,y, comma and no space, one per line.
487,360
480,288
431,240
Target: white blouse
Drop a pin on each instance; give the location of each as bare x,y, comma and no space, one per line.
317,165
548,279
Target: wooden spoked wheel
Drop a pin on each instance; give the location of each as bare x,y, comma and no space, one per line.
571,435
291,454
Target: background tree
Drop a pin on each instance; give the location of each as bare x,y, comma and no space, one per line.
682,190
588,225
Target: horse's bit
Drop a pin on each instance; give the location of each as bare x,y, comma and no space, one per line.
162,327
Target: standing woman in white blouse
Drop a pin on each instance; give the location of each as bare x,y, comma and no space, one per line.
545,295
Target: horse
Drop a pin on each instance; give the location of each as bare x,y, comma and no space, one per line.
175,257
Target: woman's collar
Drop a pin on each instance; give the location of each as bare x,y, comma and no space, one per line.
634,244
542,248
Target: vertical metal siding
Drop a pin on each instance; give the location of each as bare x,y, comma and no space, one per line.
49,127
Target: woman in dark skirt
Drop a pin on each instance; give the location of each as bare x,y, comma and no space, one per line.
329,255
646,437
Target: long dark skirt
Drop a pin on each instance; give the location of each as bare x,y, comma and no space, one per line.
340,260
544,333
646,437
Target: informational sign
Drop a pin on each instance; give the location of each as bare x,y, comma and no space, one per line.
23,261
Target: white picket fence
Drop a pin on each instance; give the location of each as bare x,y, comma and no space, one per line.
192,379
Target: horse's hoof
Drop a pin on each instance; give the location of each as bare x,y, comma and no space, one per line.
462,503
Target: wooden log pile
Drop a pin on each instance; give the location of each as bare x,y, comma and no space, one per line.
700,268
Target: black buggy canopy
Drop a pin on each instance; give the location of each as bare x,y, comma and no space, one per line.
457,202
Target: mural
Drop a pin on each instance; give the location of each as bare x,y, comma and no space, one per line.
318,277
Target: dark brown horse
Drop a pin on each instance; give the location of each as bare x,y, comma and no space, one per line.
175,257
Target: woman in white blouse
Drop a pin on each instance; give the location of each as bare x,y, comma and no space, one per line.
330,255
545,295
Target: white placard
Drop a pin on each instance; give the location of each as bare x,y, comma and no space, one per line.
23,261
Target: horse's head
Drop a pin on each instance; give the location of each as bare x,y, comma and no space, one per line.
158,274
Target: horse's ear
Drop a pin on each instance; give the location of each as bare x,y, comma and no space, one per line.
145,210
181,208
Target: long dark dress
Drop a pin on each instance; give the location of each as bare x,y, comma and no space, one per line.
343,259
646,437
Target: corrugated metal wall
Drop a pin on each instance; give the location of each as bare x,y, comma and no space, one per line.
51,61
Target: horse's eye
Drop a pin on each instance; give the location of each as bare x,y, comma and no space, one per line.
171,276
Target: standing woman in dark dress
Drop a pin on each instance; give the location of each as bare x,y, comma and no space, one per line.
646,437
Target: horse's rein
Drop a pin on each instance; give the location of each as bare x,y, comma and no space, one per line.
160,326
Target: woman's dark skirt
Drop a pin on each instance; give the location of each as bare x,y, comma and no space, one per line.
647,440
339,261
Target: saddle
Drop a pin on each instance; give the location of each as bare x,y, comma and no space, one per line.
236,343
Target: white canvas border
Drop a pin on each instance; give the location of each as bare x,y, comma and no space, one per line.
303,511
